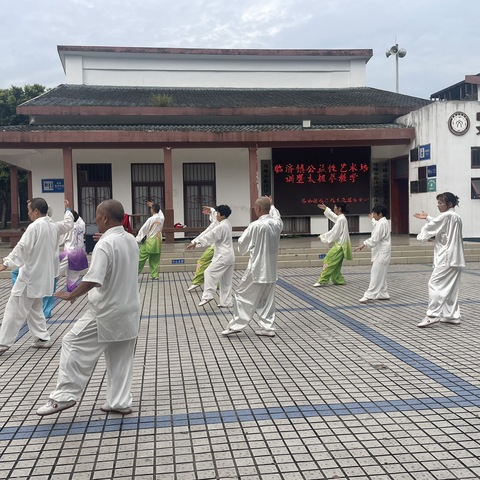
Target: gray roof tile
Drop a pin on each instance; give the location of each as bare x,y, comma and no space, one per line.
90,95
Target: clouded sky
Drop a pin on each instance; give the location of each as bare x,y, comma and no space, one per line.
442,37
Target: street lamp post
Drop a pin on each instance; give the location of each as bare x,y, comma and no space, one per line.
399,53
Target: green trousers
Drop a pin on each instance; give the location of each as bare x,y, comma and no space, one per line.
203,262
332,266
153,261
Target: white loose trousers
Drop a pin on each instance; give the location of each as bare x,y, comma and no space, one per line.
80,353
18,309
250,298
218,273
443,288
377,288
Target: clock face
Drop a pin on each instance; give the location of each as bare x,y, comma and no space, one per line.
459,123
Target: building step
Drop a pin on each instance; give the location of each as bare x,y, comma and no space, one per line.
176,259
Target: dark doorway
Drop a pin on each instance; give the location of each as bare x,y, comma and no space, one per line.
399,196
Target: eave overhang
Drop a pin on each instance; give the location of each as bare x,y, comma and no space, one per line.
121,138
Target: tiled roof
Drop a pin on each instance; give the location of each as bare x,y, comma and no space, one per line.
196,128
97,96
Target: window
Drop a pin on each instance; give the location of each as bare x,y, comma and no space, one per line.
296,225
422,179
94,186
199,189
414,155
475,188
148,183
475,157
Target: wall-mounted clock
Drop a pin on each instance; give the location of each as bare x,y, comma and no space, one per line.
459,123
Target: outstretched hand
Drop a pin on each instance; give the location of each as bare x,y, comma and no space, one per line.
191,246
360,247
322,206
422,215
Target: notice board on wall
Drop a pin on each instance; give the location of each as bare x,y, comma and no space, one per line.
305,177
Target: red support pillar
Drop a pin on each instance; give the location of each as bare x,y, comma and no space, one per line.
68,175
14,207
253,171
169,214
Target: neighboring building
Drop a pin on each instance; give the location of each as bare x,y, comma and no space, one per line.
445,155
189,127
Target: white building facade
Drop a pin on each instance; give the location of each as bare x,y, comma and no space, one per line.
188,127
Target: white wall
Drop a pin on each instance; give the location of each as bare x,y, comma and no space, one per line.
214,71
452,156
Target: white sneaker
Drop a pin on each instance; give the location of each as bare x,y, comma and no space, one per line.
3,349
265,333
192,287
54,407
317,284
453,321
229,331
428,321
39,343
365,300
122,411
204,302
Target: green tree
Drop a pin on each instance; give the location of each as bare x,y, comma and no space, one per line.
10,98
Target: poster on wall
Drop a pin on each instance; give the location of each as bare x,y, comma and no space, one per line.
306,177
53,185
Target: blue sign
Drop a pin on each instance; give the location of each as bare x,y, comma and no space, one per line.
53,185
424,152
176,261
431,171
322,256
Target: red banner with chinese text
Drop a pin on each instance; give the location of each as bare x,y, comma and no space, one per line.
305,177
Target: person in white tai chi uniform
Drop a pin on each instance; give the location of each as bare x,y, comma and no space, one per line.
381,246
109,325
342,248
256,291
149,238
36,254
220,271
448,261
207,256
73,259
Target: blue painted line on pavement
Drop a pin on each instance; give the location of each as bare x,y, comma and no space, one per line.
56,429
465,395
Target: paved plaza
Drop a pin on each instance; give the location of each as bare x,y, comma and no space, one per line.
344,391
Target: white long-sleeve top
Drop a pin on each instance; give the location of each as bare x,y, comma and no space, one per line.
447,230
74,238
261,240
221,238
152,228
213,224
36,254
115,301
380,241
339,233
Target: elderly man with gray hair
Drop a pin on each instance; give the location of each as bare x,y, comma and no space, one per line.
256,291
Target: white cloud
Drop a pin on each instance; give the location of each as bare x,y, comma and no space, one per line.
441,39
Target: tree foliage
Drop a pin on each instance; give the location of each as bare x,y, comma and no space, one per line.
11,97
